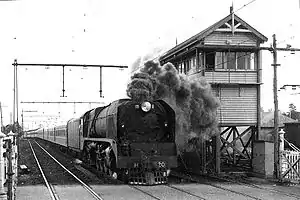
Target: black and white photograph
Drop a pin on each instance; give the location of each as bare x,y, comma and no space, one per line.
149,100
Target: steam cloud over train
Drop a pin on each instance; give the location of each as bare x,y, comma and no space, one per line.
129,139
138,139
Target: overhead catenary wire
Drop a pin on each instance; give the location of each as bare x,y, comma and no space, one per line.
16,64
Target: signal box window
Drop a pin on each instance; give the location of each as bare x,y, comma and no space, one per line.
210,61
230,61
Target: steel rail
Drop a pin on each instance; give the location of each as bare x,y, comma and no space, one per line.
88,188
229,190
214,185
253,185
144,192
183,191
122,182
49,186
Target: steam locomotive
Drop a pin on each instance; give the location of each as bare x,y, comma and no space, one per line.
128,140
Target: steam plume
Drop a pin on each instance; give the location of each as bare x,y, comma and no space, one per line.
192,100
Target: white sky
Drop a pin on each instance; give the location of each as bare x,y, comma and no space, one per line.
117,32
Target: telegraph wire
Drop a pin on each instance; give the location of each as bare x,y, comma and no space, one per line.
153,59
245,5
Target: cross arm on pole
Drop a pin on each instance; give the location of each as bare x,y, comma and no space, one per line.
66,65
48,102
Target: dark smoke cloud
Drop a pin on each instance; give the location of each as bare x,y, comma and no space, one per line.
192,100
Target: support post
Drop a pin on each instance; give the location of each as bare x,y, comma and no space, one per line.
3,195
276,143
234,144
203,156
197,61
100,82
1,117
216,151
17,96
14,99
259,80
63,89
10,173
22,130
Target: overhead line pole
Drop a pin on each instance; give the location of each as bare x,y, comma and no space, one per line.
1,116
100,82
276,141
63,90
274,49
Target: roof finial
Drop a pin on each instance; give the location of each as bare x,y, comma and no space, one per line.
232,18
231,8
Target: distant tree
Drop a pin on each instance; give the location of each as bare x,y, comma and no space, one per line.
292,107
293,112
15,128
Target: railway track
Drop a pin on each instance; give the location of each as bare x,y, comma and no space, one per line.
267,189
50,186
195,187
243,181
148,192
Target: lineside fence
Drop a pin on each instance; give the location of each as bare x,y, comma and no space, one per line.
290,164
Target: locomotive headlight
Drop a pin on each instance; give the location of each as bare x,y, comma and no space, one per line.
146,106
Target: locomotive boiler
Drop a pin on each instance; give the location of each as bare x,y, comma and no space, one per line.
134,141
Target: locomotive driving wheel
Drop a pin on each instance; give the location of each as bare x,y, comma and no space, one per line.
86,156
106,163
110,166
105,168
98,159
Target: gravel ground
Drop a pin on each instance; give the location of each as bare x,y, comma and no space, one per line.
34,176
53,171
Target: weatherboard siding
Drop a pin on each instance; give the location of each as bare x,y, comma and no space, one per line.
238,105
231,76
221,38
